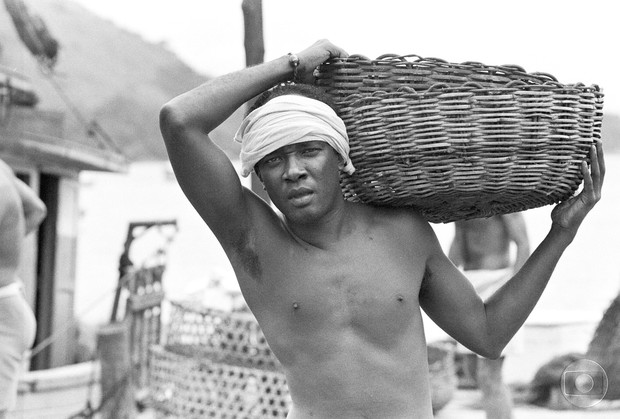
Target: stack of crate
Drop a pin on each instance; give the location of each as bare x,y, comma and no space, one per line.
215,364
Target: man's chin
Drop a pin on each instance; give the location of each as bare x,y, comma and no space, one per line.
301,215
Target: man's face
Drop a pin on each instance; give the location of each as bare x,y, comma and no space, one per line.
302,180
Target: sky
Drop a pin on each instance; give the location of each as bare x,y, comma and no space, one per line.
574,40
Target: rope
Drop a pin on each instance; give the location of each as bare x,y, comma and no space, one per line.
53,337
160,254
89,411
18,11
91,127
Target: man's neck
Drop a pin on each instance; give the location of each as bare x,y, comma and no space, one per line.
326,231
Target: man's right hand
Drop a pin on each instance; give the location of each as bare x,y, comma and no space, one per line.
315,55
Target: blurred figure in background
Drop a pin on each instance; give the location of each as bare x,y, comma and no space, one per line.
21,212
482,249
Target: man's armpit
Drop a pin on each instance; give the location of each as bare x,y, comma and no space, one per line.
245,255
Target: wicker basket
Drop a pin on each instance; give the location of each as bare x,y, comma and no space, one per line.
460,141
235,337
197,386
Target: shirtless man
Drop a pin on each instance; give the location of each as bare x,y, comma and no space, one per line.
482,248
337,286
21,212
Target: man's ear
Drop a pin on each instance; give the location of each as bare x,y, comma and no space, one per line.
340,160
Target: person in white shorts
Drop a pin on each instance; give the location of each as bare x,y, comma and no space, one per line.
21,212
482,249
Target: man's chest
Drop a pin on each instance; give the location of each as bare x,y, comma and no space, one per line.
370,288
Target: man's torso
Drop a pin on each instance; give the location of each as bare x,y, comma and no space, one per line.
345,321
486,244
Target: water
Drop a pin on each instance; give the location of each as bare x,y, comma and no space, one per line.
586,279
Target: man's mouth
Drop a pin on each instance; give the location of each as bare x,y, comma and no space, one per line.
300,196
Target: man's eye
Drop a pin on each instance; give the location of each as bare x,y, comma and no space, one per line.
272,160
311,151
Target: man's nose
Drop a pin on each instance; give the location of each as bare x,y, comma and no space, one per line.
294,168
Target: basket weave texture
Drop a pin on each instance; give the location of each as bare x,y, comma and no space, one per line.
216,364
460,141
220,335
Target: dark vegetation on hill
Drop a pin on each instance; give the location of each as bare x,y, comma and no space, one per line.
111,76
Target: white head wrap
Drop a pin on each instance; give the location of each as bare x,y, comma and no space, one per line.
290,119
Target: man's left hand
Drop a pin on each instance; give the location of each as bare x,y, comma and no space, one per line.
570,213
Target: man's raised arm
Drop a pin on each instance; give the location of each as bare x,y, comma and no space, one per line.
487,327
203,171
510,306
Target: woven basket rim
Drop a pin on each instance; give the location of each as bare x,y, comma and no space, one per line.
403,61
471,87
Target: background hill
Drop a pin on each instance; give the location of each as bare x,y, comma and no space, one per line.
108,75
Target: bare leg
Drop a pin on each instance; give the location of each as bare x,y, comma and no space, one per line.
496,397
